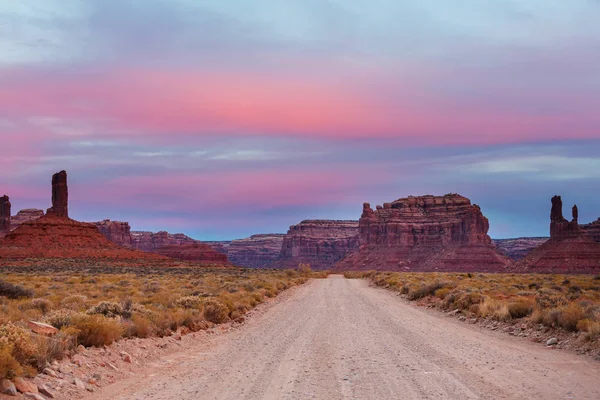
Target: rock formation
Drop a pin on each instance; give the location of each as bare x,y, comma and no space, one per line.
55,236
149,241
4,215
63,238
320,243
60,195
518,248
257,251
198,253
425,233
560,227
570,249
116,231
26,215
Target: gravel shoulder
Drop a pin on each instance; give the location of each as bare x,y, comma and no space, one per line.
337,338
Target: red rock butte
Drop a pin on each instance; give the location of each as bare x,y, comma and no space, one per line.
425,233
256,251
56,236
320,243
570,249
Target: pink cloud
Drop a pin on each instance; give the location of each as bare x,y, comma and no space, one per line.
177,105
260,190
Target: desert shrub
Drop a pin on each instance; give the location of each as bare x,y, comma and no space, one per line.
304,269
494,309
9,366
520,308
215,311
442,293
593,330
107,308
189,302
12,291
59,318
570,316
20,340
43,305
138,326
424,291
463,301
575,289
95,330
74,302
51,348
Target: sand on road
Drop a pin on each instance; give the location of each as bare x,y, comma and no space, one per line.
338,338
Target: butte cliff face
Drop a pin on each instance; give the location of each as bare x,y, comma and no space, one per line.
4,215
570,248
425,233
116,231
320,243
257,251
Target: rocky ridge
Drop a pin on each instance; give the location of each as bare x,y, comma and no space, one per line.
425,233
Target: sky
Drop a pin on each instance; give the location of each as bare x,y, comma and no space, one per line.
221,119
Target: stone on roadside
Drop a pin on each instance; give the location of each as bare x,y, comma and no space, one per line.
552,342
77,382
42,329
7,387
25,386
46,392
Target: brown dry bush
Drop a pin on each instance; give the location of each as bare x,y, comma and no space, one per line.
96,330
215,311
12,291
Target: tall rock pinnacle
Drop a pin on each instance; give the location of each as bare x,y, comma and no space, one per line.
60,195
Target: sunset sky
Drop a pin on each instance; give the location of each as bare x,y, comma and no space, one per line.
222,119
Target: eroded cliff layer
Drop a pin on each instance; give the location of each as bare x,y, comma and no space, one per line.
425,233
320,243
116,231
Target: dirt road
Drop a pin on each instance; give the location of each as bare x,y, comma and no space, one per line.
341,339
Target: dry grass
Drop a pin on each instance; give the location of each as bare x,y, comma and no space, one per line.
569,302
96,307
